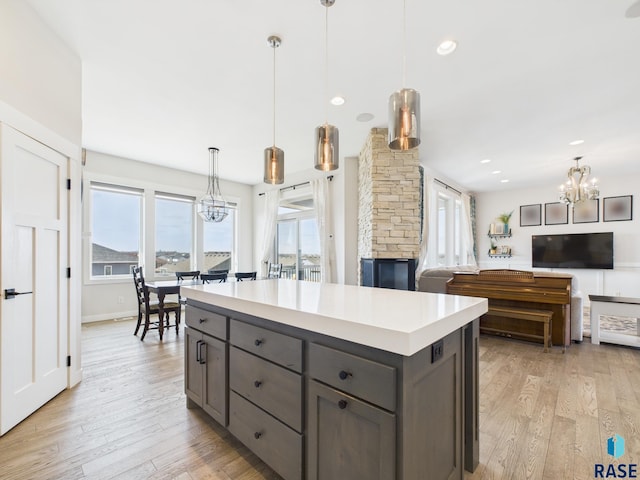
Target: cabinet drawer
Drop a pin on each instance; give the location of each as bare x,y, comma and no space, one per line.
279,348
366,379
207,322
273,388
272,441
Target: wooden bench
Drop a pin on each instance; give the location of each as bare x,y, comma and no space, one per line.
540,316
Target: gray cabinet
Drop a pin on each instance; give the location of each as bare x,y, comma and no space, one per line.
205,368
319,408
266,395
348,438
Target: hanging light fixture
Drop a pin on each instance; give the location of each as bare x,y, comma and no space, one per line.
274,156
326,136
212,207
404,105
578,187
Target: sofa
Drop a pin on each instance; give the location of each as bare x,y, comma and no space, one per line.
434,280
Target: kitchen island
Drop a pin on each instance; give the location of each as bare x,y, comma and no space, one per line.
326,381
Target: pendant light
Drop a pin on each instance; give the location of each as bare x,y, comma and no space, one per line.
326,136
212,207
274,156
404,105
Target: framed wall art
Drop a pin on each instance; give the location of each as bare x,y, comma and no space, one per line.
531,215
587,211
556,213
617,209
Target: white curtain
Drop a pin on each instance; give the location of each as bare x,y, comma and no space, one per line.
428,254
322,203
271,203
467,228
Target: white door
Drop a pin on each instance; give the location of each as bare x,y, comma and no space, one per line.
33,256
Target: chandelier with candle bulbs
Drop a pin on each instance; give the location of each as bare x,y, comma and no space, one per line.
579,187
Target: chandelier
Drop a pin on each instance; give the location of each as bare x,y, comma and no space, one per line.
212,207
578,187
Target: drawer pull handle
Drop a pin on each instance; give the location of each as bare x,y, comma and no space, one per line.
257,435
257,383
202,320
258,342
344,375
342,404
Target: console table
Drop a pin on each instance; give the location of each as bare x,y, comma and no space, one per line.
622,306
326,381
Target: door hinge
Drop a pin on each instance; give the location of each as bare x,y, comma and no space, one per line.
68,184
68,360
68,272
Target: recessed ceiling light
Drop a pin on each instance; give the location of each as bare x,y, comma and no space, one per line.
446,47
364,117
337,101
486,160
504,180
495,172
576,142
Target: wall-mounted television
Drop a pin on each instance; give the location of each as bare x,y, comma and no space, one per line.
573,250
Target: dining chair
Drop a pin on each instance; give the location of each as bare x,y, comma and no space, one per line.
213,270
193,275
240,276
146,308
213,277
275,270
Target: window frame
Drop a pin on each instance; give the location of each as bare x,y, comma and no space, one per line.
115,187
147,222
453,244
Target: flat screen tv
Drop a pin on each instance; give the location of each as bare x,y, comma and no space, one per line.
575,250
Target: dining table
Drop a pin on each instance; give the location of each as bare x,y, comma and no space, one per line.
162,288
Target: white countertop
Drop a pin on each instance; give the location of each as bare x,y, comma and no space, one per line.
397,321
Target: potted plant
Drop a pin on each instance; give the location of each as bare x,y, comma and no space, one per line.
504,218
492,250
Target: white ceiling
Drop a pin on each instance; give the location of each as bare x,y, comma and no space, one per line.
165,79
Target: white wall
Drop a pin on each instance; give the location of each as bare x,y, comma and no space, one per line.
101,298
623,280
41,77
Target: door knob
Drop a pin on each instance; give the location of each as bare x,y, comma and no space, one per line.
11,292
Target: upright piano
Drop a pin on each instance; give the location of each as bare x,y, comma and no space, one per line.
519,289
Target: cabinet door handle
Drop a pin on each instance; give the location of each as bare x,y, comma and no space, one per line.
198,351
257,435
257,383
258,342
202,320
344,374
203,360
342,404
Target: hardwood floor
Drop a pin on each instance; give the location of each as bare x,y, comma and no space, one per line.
542,416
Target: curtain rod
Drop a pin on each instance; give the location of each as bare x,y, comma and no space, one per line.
293,187
448,187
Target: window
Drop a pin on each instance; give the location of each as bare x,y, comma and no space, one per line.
449,244
219,243
116,233
298,241
174,234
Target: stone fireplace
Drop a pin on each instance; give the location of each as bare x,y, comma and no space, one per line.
388,201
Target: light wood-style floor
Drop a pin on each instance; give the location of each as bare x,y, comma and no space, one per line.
542,416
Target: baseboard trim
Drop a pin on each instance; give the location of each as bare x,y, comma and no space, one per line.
109,316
